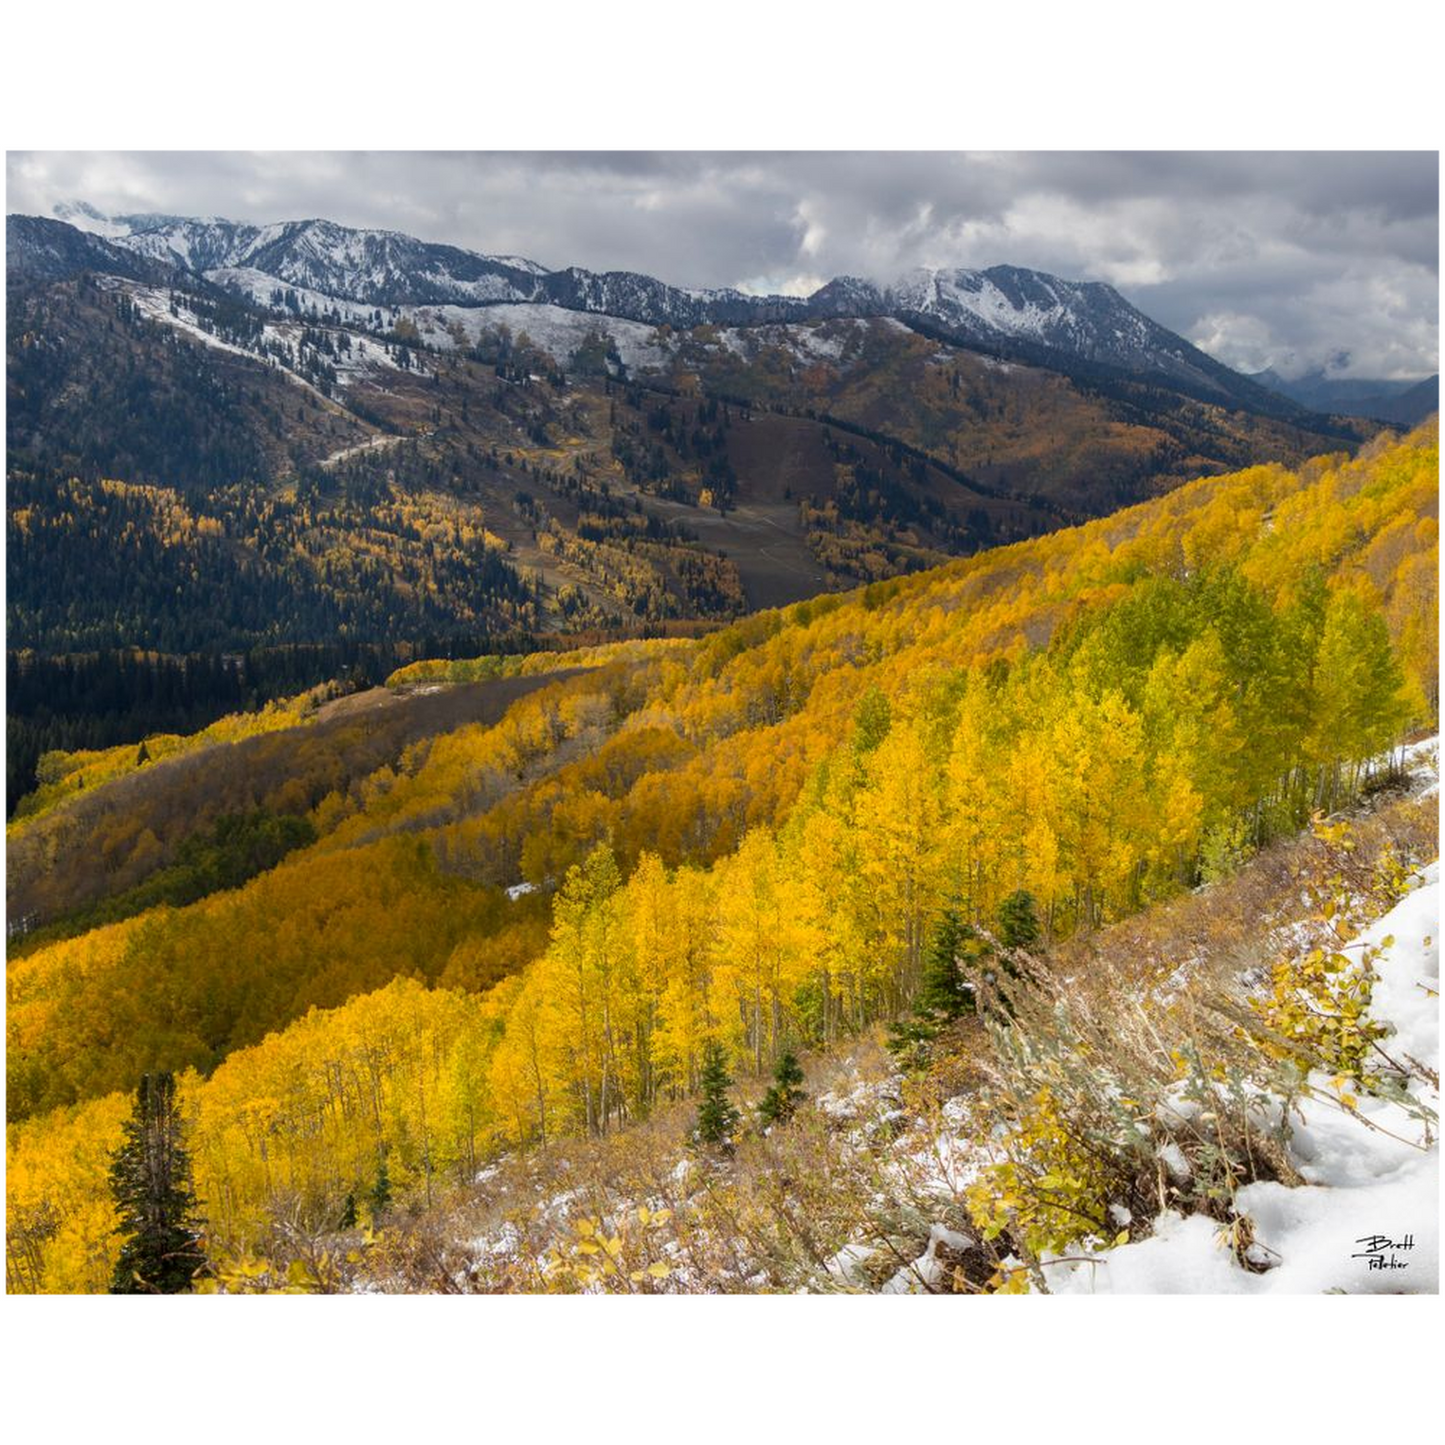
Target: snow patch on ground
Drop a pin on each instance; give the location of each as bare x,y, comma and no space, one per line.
556,331
835,342
931,1271
365,357
1366,1222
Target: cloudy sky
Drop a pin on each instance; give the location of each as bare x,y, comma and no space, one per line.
1296,260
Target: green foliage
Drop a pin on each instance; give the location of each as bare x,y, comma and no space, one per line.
946,989
241,567
1225,848
1018,921
944,993
871,722
379,1196
781,1101
1360,699
236,849
716,1115
151,1182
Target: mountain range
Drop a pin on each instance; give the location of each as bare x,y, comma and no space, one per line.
1407,403
288,434
1004,309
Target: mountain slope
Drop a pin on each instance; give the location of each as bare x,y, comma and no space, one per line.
527,932
1098,645
38,251
1405,402
606,471
1022,312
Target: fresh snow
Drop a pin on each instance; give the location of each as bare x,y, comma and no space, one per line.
557,331
258,286
1368,1174
366,356
84,217
1378,1175
930,1271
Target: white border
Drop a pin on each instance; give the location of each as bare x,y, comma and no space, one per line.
747,75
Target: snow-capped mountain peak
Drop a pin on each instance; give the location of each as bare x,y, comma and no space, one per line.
1028,314
84,217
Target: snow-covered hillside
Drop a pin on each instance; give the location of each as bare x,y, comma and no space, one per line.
1366,1220
1008,301
281,344
1003,308
556,331
371,267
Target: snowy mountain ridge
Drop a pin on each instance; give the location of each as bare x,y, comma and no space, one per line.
1011,309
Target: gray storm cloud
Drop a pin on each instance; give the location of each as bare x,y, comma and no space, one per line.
1296,260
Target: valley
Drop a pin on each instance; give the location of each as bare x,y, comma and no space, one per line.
744,838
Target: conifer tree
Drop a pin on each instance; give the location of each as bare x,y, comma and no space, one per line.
783,1097
380,1195
716,1116
943,992
150,1178
1018,920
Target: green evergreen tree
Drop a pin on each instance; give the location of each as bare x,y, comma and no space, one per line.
348,1211
1018,921
716,1116
781,1101
944,994
380,1196
150,1179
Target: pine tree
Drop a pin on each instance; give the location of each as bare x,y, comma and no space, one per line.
716,1116
380,1196
782,1099
150,1178
944,994
1018,921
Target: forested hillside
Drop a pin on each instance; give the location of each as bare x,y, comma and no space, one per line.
238,462
534,926
286,468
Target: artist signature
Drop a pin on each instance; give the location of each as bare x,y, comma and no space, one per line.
1382,1252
